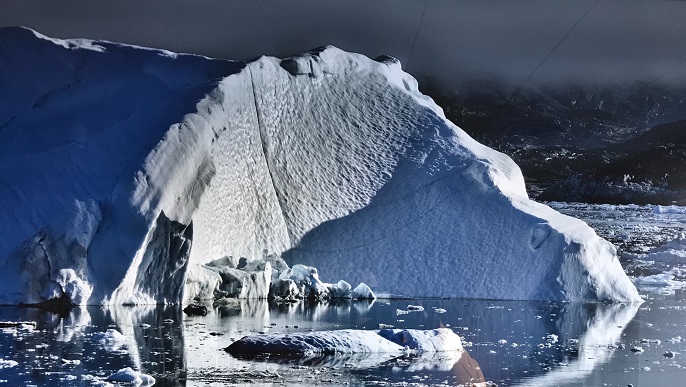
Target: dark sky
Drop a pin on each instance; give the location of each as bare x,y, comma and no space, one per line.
445,40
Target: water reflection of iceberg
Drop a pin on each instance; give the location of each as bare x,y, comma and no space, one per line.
364,352
603,329
155,340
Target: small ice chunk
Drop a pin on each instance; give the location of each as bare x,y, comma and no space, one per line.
636,349
362,291
341,290
7,364
195,310
75,288
285,289
416,308
128,375
669,354
112,340
439,310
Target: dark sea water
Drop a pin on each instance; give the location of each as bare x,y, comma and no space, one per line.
506,342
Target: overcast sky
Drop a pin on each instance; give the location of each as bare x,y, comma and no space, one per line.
446,40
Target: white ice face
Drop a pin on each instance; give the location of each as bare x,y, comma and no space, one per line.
330,159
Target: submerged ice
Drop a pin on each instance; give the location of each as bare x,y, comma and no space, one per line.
118,186
347,341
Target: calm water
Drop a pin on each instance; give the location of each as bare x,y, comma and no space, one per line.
509,343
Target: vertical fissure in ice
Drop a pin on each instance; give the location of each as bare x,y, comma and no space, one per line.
265,155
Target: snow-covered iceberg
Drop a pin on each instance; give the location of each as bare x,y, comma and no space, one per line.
119,165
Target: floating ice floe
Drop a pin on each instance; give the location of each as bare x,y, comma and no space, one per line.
673,251
269,277
112,340
663,282
669,209
348,341
128,375
7,364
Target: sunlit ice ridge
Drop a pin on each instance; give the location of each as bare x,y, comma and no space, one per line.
123,168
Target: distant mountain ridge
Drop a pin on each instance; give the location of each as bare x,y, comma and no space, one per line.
576,138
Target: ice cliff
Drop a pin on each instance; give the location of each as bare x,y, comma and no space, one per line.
121,166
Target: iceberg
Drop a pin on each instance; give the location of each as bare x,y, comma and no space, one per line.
123,168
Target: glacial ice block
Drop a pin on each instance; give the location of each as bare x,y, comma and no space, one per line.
140,161
347,341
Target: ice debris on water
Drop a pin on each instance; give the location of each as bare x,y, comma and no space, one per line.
669,354
112,340
266,278
128,375
195,310
551,338
636,349
7,364
669,209
651,341
410,309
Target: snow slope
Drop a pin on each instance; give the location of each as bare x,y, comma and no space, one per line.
120,165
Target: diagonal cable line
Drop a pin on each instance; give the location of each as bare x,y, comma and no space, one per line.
416,33
649,83
545,58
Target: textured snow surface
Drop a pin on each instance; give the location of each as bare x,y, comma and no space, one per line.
119,166
348,341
